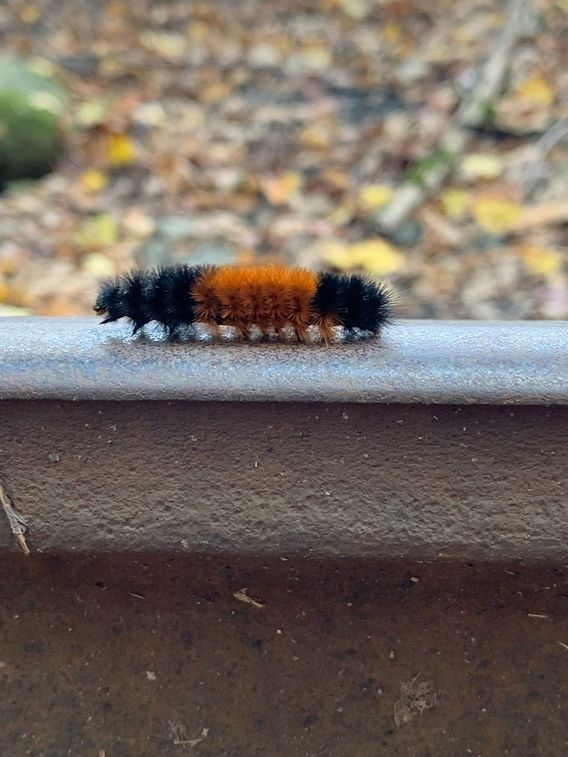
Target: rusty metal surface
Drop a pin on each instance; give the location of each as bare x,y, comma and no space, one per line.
125,657
334,479
416,361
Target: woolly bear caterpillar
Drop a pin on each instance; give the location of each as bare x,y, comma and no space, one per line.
268,297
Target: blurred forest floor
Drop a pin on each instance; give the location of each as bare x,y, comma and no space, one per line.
256,131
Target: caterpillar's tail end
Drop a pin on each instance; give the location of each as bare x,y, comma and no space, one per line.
384,302
369,305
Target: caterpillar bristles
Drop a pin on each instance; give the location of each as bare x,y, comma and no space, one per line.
270,298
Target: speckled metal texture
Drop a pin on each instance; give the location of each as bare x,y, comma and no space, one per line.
330,479
155,656
415,361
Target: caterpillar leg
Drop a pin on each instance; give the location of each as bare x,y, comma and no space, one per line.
301,333
214,331
211,328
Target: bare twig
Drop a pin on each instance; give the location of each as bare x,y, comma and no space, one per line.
519,19
17,521
535,169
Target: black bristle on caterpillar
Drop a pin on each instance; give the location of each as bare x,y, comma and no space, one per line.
368,305
269,298
168,296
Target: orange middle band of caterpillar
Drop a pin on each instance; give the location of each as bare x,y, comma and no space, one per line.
270,298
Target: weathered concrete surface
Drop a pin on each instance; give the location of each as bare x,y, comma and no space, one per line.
288,478
128,658
415,361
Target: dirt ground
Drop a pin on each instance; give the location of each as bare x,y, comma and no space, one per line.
120,656
254,131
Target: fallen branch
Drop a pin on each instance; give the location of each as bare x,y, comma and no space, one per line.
17,522
430,174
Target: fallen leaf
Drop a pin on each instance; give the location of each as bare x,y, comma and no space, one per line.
91,113
93,180
316,57
98,232
375,256
279,189
374,196
495,215
392,33
121,150
541,261
168,45
215,92
536,89
455,202
317,136
197,31
99,265
481,165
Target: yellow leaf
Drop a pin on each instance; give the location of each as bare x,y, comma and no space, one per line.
279,189
455,202
197,31
317,136
342,214
392,33
374,196
481,165
317,57
375,256
99,265
91,113
496,216
121,150
93,180
380,258
168,45
215,92
98,232
541,261
536,89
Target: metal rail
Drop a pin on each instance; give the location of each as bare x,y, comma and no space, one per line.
415,361
445,440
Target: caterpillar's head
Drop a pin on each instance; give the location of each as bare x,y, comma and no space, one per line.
110,302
